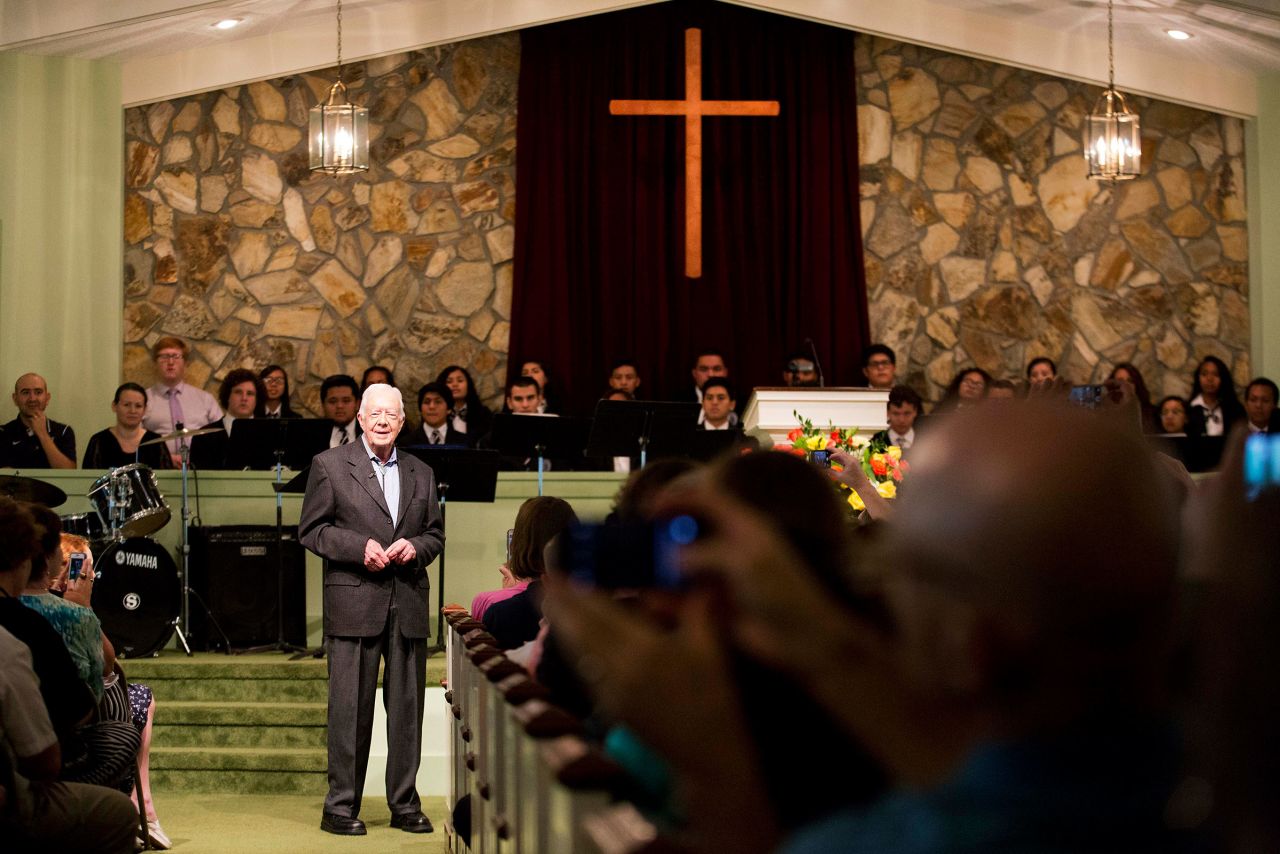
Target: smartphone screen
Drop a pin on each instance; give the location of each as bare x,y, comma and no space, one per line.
75,565
1261,464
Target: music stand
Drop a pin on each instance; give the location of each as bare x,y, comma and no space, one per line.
462,474
259,443
541,436
701,445
622,428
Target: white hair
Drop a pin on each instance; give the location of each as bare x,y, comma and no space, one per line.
379,387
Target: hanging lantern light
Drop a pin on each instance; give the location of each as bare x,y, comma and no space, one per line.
339,141
1112,137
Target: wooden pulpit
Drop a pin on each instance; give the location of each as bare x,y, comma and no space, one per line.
771,408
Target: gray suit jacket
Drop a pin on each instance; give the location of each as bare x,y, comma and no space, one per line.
342,510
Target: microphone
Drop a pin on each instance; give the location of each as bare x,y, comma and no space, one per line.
816,363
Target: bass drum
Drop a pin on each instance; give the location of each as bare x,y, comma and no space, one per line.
136,595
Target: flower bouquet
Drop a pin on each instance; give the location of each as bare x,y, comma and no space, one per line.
881,462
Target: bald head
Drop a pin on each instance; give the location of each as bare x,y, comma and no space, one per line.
30,394
1056,532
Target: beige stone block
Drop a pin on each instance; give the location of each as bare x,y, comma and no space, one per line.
480,323
141,162
907,150
1187,222
158,116
249,253
939,241
137,219
295,219
940,165
268,103
1004,267
440,217
338,287
1065,192
475,196
431,332
1051,94
213,192
280,287
1020,192
295,321
226,115
1176,185
350,254
954,208
1207,143
178,149
382,259
974,92
1040,283
985,174
1154,245
895,319
178,186
1171,350
866,215
139,317
389,207
1138,197
1235,242
188,118
325,360
941,326
1064,142
875,130
439,261
500,337
501,243
455,147
273,137
189,318
502,293
260,177
322,229
466,287
284,258
1082,269
440,107
962,276
251,213
425,168
877,98
374,320
1114,266
913,97
1017,119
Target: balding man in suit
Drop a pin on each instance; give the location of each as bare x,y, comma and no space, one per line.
373,517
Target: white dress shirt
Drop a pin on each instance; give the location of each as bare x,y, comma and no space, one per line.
903,440
335,439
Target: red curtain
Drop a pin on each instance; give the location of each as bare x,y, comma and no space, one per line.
599,253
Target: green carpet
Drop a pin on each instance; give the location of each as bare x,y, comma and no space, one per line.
283,824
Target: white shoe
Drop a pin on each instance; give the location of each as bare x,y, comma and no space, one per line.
158,838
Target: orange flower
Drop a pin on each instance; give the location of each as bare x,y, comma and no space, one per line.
878,467
897,475
795,434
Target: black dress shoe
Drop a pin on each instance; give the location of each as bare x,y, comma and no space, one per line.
412,822
342,825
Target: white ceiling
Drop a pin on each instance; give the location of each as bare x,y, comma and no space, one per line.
168,47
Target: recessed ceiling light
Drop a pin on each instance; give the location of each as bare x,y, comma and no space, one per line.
1178,35
228,23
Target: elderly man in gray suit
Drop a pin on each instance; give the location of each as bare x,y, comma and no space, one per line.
373,517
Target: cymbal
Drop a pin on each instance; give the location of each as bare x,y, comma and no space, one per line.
31,490
178,434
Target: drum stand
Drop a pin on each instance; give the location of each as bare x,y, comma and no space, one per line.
180,625
280,645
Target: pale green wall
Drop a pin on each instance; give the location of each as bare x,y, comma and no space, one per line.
61,190
1262,168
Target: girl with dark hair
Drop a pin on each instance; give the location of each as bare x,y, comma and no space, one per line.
469,415
1041,370
1129,372
239,395
968,388
121,443
1214,405
514,618
274,401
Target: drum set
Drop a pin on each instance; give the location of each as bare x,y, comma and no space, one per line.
139,594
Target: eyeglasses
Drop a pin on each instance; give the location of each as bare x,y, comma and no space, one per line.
879,363
170,357
273,380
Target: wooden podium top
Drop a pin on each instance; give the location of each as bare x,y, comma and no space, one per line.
772,408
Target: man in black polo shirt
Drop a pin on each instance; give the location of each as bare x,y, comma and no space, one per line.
32,440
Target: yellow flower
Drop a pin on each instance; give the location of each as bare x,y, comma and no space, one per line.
893,452
855,501
816,443
888,489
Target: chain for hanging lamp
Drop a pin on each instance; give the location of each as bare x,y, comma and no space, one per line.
339,139
1112,136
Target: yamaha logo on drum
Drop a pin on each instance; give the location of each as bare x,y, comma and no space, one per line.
131,601
139,560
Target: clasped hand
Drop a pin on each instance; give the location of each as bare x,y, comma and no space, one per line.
376,558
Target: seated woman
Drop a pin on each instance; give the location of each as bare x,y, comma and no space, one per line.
470,416
133,703
1041,371
239,395
1214,404
1129,373
274,402
550,397
121,444
967,389
514,618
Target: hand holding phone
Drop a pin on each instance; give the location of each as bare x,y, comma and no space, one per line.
75,565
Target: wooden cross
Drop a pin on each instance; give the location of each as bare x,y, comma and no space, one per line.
693,108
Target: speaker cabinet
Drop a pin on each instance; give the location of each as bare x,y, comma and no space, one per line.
234,571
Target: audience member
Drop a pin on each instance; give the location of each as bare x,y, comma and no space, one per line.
1041,371
879,365
239,395
967,389
1214,405
624,376
121,444
707,364
1128,372
1173,415
469,415
524,396
515,619
33,440
550,399
799,371
172,403
1002,390
718,405
340,397
376,374
1260,405
275,398
436,429
902,412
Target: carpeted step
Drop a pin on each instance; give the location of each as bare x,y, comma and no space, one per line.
293,759
244,733
253,667
237,690
239,782
217,713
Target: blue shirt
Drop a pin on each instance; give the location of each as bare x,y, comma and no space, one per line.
388,475
80,631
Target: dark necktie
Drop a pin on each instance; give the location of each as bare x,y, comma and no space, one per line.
435,437
346,437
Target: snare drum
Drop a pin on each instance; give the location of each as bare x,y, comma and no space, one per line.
136,595
140,506
87,525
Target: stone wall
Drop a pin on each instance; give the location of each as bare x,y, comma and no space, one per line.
232,243
985,243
